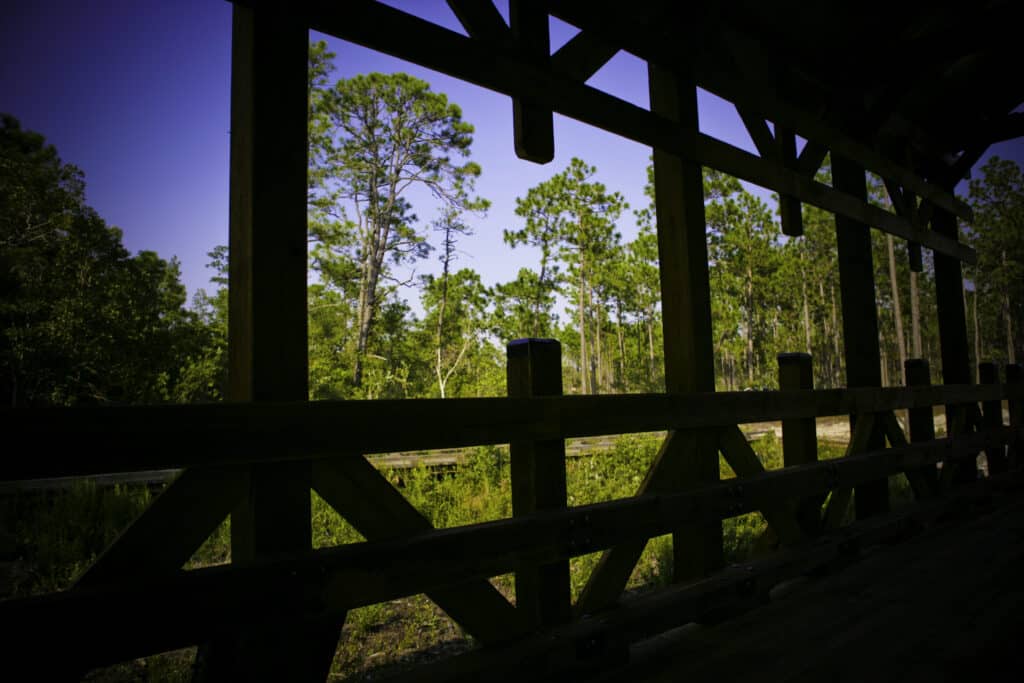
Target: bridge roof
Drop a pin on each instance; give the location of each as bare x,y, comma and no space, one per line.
929,85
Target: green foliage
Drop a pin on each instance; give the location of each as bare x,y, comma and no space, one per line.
82,320
371,138
60,534
997,318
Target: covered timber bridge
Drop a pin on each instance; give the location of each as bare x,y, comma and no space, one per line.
913,92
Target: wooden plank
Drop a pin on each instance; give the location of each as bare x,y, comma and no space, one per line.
811,157
534,368
532,123
921,481
391,31
140,438
965,471
760,134
799,436
861,437
713,74
582,57
905,204
921,420
171,528
481,19
860,316
1015,379
193,606
758,96
609,577
992,419
738,589
790,212
267,331
744,461
685,301
359,492
952,326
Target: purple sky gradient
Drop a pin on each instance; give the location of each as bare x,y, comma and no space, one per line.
137,95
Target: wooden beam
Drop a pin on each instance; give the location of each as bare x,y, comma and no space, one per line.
790,211
799,436
141,438
921,421
391,31
860,316
921,481
534,368
582,57
1015,378
685,299
375,509
811,157
744,461
759,133
992,419
952,326
170,530
673,464
861,435
756,95
481,19
532,123
196,605
267,333
713,74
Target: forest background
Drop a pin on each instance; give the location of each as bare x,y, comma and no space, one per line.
84,321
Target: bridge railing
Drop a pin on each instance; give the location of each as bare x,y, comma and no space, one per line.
148,609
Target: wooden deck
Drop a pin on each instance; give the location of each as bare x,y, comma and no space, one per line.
947,605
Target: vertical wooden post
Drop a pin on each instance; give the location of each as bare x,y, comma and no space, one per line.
860,318
921,421
799,436
1015,381
686,305
532,124
267,331
790,212
949,301
538,479
992,418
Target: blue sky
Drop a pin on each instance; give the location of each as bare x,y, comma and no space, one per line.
137,95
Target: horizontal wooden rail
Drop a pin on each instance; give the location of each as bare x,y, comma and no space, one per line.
62,442
192,606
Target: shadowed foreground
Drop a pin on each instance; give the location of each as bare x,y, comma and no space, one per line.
945,605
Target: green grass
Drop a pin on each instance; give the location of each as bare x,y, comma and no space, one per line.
59,535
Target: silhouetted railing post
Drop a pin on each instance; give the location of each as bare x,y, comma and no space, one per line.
1014,380
538,478
992,419
799,436
921,421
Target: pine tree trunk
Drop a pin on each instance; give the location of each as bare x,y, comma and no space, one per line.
598,380
750,328
977,337
837,351
884,360
1011,356
807,317
915,315
622,346
897,313
584,360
